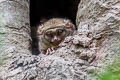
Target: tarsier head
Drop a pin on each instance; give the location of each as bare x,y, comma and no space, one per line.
55,35
53,31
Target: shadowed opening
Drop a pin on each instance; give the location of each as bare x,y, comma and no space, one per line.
52,8
46,9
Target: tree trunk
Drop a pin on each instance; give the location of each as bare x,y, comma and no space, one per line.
15,40
94,46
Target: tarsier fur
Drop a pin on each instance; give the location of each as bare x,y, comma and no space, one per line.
52,32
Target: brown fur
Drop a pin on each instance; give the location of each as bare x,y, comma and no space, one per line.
54,23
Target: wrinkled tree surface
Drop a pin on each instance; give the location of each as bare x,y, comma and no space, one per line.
81,57
15,37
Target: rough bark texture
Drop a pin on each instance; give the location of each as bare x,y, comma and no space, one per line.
14,37
94,46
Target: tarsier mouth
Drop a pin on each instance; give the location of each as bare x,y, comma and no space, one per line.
56,42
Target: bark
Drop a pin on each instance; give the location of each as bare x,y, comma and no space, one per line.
95,45
15,40
83,56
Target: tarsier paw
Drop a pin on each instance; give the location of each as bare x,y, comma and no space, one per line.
50,50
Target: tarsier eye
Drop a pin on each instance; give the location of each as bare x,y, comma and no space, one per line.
49,34
60,31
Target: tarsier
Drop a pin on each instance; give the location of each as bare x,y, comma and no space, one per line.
52,32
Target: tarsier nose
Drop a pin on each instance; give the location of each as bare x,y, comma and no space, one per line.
56,40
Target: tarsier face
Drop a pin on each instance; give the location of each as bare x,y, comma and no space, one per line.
52,32
55,36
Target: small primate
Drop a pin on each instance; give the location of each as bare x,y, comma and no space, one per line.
52,32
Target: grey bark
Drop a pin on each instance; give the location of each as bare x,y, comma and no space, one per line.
94,46
15,42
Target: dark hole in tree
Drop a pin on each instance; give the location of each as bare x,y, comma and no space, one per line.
47,9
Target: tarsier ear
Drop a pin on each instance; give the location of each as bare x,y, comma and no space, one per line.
69,24
42,20
66,20
39,30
